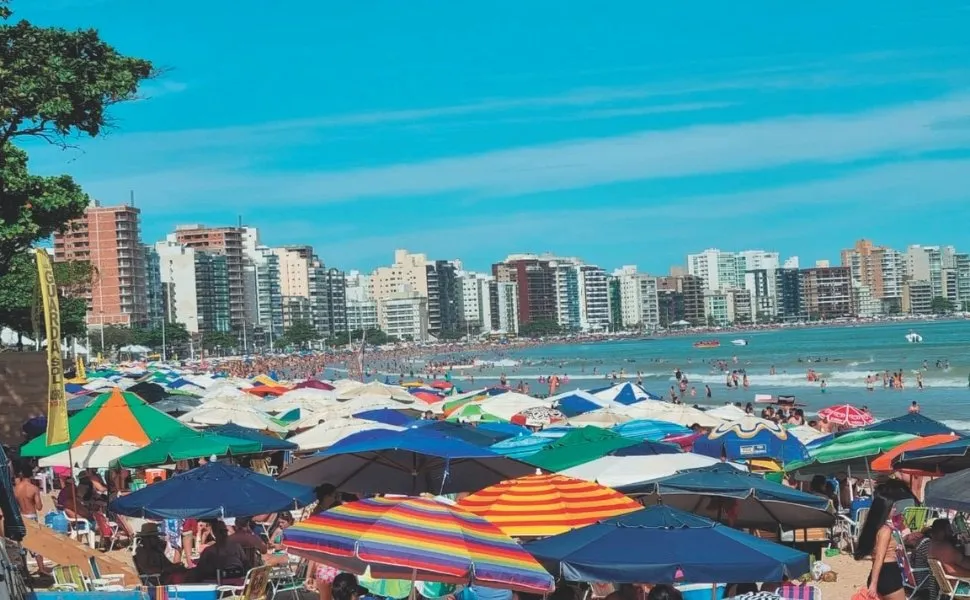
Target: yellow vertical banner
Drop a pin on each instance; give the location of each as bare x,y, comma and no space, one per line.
57,428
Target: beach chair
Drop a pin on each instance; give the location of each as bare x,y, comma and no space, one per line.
104,582
283,579
950,587
78,527
110,532
68,578
914,579
799,592
254,587
961,528
915,517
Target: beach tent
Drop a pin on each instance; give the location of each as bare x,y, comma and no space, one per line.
750,438
212,491
738,498
115,413
671,546
579,446
624,393
413,461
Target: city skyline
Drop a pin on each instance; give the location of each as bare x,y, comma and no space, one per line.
455,132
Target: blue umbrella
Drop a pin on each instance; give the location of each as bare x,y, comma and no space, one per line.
211,491
506,430
482,438
387,416
749,438
527,445
911,423
412,461
579,402
943,458
740,498
647,448
668,543
950,492
269,442
649,429
625,393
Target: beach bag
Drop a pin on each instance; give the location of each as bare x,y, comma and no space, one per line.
862,594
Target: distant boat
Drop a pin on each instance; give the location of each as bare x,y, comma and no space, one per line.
708,344
741,342
914,338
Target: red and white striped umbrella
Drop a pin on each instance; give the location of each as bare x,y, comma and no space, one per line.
847,415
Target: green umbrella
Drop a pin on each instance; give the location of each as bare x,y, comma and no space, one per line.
577,447
474,412
120,414
193,444
851,450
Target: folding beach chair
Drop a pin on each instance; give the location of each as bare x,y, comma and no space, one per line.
284,579
950,587
68,578
915,517
914,579
101,582
253,588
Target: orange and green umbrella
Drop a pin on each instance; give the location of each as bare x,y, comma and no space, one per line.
116,413
543,505
884,462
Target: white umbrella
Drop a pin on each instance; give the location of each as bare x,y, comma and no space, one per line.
243,416
308,399
728,412
601,417
680,414
806,434
376,389
507,405
616,471
96,454
330,432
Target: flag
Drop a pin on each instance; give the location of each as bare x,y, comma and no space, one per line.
57,428
360,354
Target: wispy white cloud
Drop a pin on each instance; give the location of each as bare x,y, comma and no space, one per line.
162,87
580,163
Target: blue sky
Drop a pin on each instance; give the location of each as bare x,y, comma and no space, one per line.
625,132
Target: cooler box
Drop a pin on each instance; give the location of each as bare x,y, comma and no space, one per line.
702,591
188,592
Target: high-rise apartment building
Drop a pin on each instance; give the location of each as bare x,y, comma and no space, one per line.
476,308
154,290
361,306
213,292
404,315
827,292
788,286
109,238
636,294
595,298
180,292
504,301
328,298
726,270
687,303
294,264
535,284
445,309
880,270
227,242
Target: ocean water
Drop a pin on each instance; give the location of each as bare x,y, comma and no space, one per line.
842,356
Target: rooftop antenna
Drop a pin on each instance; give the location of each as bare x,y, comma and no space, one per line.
131,198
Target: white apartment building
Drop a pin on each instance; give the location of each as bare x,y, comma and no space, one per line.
362,315
404,315
505,307
639,305
594,290
476,305
177,272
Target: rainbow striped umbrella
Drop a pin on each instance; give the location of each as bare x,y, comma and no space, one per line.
542,505
416,539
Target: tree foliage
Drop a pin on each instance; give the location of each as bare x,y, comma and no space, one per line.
539,328
941,306
373,337
175,335
55,84
300,333
224,341
19,296
115,336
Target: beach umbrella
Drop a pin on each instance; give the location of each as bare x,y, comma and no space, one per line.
622,471
851,451
751,437
806,434
386,416
120,414
738,498
650,429
647,448
329,432
214,490
578,402
177,404
245,416
537,416
308,399
541,505
376,389
527,445
483,438
314,384
884,462
681,414
184,446
412,461
416,539
728,412
624,393
97,454
671,546
473,412
602,417
507,430
507,405
268,443
951,492
911,423
429,397
577,447
846,415
950,457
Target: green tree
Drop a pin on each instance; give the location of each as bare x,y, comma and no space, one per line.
19,296
539,328
300,333
224,341
941,306
115,336
175,335
55,84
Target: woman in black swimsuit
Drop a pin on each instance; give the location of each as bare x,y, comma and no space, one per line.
876,540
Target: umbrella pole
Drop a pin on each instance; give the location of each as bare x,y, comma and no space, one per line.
412,595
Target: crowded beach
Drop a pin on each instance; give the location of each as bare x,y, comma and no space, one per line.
260,478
